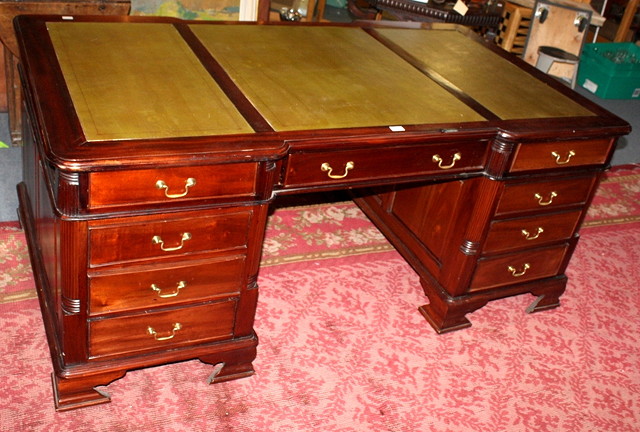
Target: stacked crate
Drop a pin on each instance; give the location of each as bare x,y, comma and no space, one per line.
513,31
611,70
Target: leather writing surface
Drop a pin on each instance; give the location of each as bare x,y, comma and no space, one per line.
499,85
327,77
140,80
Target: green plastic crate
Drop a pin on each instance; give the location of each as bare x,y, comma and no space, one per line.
611,70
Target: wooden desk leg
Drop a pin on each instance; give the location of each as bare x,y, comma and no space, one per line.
548,295
239,365
80,392
445,313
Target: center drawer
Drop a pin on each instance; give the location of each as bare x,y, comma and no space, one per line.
162,330
361,165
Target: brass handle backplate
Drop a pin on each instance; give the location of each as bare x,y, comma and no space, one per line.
528,236
516,273
327,168
158,240
552,195
437,159
174,293
152,332
565,160
160,184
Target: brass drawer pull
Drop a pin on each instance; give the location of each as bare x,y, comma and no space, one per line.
158,240
179,286
152,332
552,195
516,273
527,235
437,159
326,167
566,160
160,184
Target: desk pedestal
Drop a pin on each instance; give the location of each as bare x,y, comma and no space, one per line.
470,246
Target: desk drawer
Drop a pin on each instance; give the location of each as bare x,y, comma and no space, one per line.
149,287
560,154
531,231
142,239
113,188
162,330
544,195
351,166
518,267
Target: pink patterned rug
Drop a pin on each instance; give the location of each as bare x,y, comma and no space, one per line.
362,358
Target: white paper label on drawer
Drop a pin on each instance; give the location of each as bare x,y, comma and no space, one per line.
636,93
590,85
396,128
461,8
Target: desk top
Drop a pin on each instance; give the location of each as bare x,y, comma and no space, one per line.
297,77
137,80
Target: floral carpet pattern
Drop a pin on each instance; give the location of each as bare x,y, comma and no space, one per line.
617,198
343,347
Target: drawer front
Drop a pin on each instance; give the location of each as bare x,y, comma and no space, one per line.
144,288
114,188
544,195
560,154
162,330
174,237
517,268
531,231
345,167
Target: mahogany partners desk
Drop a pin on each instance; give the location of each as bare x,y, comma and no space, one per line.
153,149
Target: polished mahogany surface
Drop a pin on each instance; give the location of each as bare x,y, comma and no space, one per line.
154,147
